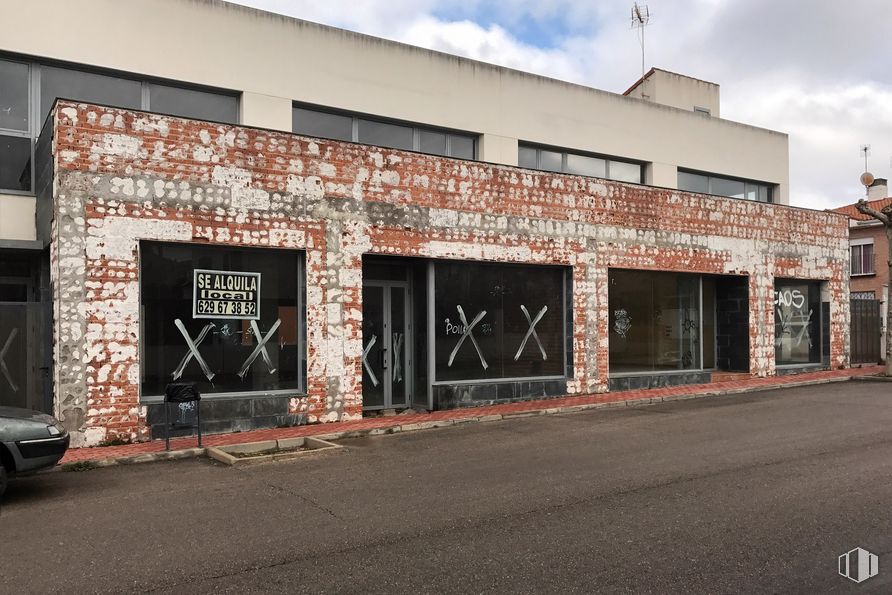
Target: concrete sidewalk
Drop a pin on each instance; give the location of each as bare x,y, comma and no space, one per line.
186,447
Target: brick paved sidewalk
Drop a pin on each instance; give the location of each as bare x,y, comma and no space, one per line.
415,421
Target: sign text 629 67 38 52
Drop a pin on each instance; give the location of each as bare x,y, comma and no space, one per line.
226,294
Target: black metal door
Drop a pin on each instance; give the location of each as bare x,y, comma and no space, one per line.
866,331
20,367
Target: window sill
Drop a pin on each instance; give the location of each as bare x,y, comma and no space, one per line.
157,399
863,274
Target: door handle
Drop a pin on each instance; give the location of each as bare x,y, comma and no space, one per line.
384,359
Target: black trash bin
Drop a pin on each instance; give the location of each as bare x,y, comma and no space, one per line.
177,393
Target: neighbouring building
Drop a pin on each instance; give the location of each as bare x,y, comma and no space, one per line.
314,225
869,273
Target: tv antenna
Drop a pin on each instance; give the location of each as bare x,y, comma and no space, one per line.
866,178
640,20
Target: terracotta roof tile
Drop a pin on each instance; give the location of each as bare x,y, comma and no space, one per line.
850,210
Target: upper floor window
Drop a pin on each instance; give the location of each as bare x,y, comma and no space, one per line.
29,88
862,257
724,186
392,134
567,162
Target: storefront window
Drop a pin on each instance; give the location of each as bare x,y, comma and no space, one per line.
498,321
655,322
230,319
797,314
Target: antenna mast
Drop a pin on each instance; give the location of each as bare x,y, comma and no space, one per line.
640,20
866,178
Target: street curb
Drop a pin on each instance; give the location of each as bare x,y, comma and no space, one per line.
429,425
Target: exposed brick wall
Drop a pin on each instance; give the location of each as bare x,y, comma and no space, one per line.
126,176
874,282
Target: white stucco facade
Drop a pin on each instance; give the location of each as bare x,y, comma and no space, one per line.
273,61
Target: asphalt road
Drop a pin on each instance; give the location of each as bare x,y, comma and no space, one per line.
756,493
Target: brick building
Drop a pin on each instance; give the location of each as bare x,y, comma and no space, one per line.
869,274
310,256
868,245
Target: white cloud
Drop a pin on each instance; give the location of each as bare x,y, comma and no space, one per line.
816,71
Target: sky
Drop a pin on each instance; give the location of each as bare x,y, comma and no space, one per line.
818,70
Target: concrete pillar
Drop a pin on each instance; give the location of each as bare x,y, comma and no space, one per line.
266,111
17,217
498,149
661,174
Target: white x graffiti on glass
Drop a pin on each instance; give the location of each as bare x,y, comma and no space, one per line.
262,340
531,332
397,357
193,350
365,359
468,333
3,367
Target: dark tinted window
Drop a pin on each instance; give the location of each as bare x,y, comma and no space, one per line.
586,166
462,147
13,95
495,300
797,314
526,157
385,134
349,127
167,273
654,321
322,124
578,164
624,172
87,86
722,186
432,141
15,163
725,187
189,103
693,182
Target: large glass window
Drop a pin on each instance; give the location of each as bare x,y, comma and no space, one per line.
385,134
797,316
862,259
192,103
28,90
260,352
15,163
533,157
322,124
496,321
724,186
86,86
13,95
371,131
655,322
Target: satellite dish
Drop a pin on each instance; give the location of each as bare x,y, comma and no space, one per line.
867,178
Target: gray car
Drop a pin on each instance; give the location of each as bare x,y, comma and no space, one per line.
29,441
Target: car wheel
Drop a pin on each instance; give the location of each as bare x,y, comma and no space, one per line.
2,480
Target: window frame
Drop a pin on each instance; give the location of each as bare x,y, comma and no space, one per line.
814,285
701,343
302,332
36,119
747,185
860,244
417,129
29,133
567,314
564,158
